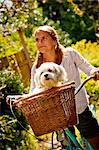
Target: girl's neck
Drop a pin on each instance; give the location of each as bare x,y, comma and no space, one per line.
49,57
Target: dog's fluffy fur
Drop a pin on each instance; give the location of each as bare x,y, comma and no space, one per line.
49,75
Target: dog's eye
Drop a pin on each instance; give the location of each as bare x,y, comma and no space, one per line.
49,70
41,73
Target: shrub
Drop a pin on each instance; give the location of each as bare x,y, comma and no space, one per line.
90,51
12,135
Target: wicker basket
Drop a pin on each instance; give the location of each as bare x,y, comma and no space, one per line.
51,110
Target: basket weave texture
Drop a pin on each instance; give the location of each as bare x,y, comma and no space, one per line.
51,110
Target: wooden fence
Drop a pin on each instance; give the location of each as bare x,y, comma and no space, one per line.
4,63
20,64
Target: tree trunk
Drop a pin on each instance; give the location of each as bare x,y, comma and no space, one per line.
24,46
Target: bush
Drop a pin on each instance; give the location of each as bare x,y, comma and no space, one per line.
12,135
13,86
13,138
90,52
12,82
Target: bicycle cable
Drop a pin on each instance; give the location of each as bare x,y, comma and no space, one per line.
39,139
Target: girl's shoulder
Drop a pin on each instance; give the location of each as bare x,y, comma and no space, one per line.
33,67
68,51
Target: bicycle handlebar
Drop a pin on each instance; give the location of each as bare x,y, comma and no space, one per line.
76,90
83,83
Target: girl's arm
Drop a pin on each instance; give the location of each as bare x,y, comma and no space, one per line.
82,63
32,84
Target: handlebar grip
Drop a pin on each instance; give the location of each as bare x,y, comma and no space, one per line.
96,75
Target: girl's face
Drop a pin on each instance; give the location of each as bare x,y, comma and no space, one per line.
44,42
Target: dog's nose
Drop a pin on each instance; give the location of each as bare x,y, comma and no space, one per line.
46,75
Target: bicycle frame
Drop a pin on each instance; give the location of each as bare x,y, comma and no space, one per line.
77,145
70,137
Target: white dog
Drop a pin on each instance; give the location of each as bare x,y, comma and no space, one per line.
49,75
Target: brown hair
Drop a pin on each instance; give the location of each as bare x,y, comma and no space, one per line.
58,49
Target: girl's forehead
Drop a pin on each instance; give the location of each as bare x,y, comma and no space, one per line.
41,33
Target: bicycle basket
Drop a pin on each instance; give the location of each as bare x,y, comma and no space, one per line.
51,110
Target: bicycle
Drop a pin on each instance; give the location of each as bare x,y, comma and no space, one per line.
72,142
68,135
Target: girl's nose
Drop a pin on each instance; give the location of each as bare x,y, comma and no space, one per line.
40,41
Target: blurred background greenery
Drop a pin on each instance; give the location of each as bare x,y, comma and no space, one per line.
77,24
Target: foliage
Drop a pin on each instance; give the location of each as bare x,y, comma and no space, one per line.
9,45
12,135
16,14
90,51
13,138
93,91
22,14
63,36
12,82
72,20
77,23
13,86
90,8
92,88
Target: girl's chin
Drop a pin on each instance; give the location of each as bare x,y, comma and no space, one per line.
42,50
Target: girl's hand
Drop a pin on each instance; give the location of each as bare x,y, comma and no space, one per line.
96,75
12,98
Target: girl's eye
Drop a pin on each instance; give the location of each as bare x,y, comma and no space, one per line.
43,38
36,39
49,70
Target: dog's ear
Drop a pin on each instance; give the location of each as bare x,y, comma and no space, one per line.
62,74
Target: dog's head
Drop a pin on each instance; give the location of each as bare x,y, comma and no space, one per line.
49,74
